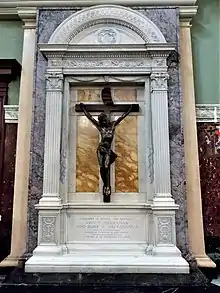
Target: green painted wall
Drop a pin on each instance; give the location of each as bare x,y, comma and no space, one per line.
206,50
11,36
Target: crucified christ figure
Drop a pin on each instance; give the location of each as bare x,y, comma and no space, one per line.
105,155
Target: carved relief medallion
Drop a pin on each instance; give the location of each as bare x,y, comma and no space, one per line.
107,36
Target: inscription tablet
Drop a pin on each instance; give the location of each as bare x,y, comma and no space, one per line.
109,228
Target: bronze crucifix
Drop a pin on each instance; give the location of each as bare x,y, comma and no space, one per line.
106,128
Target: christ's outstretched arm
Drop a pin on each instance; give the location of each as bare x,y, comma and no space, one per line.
89,116
123,116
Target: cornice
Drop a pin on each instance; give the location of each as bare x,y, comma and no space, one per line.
28,16
12,9
187,13
8,13
63,3
27,13
62,48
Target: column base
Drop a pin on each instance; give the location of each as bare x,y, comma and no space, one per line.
47,250
166,251
10,261
204,262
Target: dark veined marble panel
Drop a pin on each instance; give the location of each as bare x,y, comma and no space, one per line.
7,189
209,158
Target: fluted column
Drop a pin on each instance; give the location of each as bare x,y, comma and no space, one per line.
159,107
194,202
19,222
50,203
163,207
51,185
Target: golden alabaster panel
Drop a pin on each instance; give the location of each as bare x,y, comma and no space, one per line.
125,94
126,164
88,95
87,171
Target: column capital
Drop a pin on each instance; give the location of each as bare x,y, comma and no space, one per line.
54,81
186,14
28,16
159,81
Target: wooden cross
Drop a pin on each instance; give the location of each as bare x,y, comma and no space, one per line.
107,107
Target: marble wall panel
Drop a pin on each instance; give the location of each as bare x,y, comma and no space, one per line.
177,165
125,94
87,170
89,95
126,148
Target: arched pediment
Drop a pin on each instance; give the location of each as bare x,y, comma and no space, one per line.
107,24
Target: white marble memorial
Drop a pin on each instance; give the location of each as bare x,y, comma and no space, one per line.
77,232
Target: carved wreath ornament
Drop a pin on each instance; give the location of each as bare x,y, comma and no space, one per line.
107,36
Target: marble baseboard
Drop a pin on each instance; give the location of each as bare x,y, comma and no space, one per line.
111,289
145,282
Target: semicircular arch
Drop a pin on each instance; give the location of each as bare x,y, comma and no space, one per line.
107,14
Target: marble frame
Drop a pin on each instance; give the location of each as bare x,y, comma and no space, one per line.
148,60
142,95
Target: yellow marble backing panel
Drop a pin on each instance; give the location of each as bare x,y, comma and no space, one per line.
125,94
126,164
88,95
87,171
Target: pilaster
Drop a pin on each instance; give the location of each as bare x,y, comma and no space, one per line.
193,189
50,204
19,225
159,107
164,230
51,185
